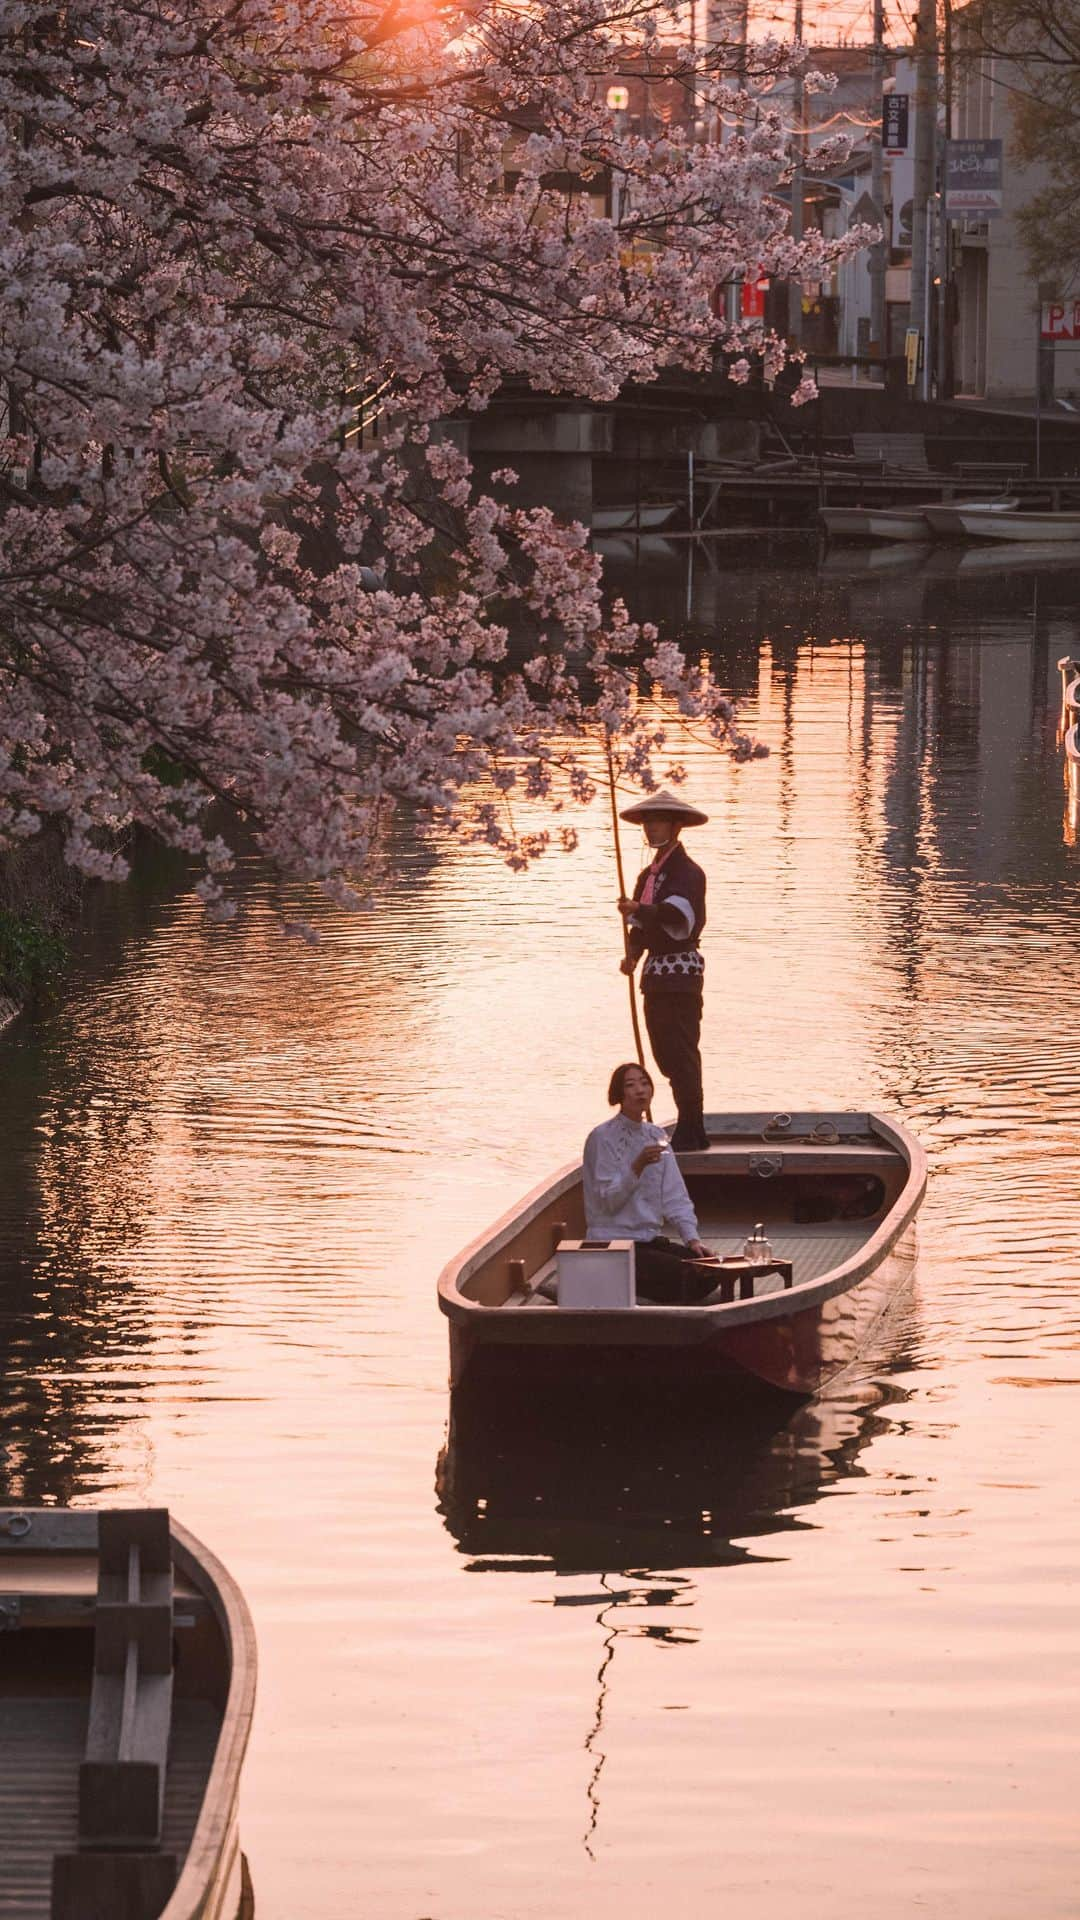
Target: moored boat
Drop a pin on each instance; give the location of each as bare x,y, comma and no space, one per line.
837,1194
990,522
906,524
638,517
126,1696
911,524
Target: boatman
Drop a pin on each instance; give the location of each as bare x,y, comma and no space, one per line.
664,922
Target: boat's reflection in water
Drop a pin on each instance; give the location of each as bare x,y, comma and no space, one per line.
246,1909
1071,822
635,1497
586,1486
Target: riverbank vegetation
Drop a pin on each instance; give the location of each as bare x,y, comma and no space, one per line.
39,902
257,259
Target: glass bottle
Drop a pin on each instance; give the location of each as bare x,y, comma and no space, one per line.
757,1248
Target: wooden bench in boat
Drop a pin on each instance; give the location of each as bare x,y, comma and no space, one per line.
795,1156
120,1871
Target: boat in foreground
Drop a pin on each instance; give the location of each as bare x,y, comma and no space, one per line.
126,1693
837,1194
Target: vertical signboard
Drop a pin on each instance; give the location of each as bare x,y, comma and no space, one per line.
973,179
752,297
894,123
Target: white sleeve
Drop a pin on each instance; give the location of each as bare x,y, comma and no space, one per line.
677,1204
611,1184
676,909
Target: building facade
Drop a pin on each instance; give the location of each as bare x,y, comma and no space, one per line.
995,301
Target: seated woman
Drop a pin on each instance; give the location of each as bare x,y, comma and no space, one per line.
633,1189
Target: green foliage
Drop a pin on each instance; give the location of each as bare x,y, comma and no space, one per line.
1040,41
32,958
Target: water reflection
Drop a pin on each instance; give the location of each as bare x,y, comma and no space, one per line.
601,1487
232,1175
624,1507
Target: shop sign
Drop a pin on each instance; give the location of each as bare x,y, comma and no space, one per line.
894,122
1060,320
973,179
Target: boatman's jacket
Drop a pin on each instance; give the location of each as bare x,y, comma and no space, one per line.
669,930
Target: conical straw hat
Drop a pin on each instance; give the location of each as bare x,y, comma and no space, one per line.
665,802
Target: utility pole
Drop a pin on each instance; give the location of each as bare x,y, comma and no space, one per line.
795,292
926,103
879,253
945,254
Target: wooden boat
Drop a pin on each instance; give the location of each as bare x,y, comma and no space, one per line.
125,1702
875,523
837,1193
990,523
643,517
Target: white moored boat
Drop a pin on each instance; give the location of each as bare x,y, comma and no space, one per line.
638,518
992,523
875,523
126,1695
1070,707
837,1194
910,524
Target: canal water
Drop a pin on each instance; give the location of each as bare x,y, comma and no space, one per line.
512,1667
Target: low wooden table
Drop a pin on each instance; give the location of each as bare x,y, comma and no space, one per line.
743,1273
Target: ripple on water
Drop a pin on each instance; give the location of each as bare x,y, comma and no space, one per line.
548,1662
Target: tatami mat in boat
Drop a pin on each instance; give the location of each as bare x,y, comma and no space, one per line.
41,1745
812,1250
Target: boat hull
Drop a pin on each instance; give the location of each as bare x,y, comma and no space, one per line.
634,519
987,523
786,1342
789,1354
868,523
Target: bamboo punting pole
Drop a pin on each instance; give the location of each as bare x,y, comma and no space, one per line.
622,895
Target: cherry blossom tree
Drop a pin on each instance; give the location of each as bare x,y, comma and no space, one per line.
224,224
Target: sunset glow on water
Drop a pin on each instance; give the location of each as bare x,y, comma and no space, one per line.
520,1670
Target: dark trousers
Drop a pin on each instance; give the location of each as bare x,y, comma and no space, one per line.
674,1024
669,1275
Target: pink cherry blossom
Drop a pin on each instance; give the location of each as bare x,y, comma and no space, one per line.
256,260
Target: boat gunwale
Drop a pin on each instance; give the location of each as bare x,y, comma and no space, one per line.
802,1297
74,1530
200,1874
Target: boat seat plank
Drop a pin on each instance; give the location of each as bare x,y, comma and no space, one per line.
122,1778
798,1157
71,1575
